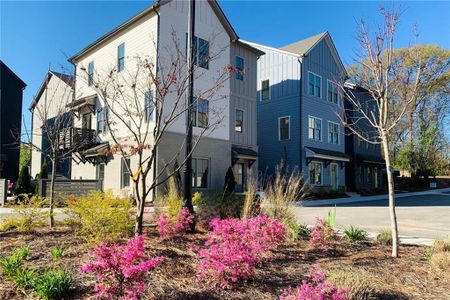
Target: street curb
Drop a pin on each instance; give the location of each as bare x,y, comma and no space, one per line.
323,202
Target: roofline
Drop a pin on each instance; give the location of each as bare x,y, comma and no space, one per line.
257,51
47,78
256,45
224,20
13,74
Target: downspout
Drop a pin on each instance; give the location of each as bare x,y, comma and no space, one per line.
155,161
31,109
300,61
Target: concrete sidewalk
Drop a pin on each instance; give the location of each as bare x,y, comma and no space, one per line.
327,202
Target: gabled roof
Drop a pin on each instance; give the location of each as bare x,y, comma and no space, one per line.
3,66
303,47
152,8
66,78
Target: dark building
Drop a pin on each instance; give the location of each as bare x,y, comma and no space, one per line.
11,91
366,169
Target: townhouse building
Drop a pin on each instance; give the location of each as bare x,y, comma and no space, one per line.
151,34
298,110
50,101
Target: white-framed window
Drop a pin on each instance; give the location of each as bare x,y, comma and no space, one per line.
315,128
200,47
200,167
265,89
239,68
121,57
332,92
201,112
284,128
100,171
315,173
100,120
239,122
91,73
314,84
333,133
125,175
149,107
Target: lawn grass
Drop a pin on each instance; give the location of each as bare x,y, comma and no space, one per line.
408,277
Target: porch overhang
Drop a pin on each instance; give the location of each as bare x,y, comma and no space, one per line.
239,153
97,153
370,159
85,102
326,155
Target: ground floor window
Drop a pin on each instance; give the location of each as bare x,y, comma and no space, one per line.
376,174
315,173
200,169
101,171
125,173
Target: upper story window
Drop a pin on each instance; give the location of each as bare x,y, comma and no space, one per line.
149,107
332,92
284,124
201,112
239,68
314,84
265,89
333,133
91,73
100,120
239,123
200,175
121,57
200,47
315,128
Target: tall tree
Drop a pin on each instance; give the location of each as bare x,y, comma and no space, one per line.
375,73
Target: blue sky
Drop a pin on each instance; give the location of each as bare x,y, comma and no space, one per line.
35,35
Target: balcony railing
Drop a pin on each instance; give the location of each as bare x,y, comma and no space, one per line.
77,139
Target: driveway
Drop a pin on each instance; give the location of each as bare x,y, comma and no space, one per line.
422,216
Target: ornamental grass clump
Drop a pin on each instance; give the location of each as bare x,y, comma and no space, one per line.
120,269
321,234
235,246
168,229
315,287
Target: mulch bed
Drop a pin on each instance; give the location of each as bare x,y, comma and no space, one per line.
408,277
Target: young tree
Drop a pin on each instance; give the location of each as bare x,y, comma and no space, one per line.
146,101
375,73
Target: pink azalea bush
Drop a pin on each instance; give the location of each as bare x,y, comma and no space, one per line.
321,234
168,229
235,246
120,269
315,288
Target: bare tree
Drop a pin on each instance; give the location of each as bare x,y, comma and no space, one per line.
383,111
147,100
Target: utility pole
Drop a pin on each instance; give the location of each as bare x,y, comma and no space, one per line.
187,180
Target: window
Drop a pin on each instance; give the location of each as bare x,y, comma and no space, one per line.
201,113
200,47
239,125
315,129
240,68
125,173
284,128
121,57
100,120
105,119
101,171
200,174
149,107
333,133
314,84
315,173
265,90
91,73
332,92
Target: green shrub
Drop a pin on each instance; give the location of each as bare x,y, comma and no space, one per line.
57,252
330,220
303,231
11,264
23,182
384,237
10,224
100,217
218,205
26,277
54,284
230,183
360,283
355,234
31,214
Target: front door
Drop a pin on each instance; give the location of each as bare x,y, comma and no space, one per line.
334,176
239,177
86,121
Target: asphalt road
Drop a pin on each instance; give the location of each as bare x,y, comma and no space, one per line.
424,216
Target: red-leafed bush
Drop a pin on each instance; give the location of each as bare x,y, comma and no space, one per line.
168,229
120,269
235,246
315,288
321,234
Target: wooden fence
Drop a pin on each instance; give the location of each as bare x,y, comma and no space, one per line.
64,188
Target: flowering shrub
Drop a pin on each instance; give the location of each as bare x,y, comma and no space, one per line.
321,234
315,288
120,268
168,229
235,246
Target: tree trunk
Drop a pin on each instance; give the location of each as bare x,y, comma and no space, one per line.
139,211
52,192
390,179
